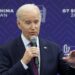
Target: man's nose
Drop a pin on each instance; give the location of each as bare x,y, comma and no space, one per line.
33,26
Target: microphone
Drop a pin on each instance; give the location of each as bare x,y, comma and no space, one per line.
33,40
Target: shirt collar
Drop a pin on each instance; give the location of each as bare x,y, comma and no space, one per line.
26,41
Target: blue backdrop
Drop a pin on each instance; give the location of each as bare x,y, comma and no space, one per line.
58,20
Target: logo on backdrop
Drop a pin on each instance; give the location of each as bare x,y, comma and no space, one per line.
69,11
5,12
43,12
67,48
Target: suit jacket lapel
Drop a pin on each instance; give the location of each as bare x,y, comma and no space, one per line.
21,52
21,47
43,54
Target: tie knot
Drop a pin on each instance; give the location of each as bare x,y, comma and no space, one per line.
33,44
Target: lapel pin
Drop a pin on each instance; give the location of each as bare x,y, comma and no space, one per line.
45,47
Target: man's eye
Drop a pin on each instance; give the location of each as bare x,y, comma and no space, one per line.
36,21
28,22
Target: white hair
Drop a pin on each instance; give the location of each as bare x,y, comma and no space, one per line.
26,7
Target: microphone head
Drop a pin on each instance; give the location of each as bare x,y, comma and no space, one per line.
33,40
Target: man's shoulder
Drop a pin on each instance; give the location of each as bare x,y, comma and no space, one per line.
51,46
48,42
12,43
13,48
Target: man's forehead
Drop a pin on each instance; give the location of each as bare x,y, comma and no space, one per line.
31,15
31,18
27,12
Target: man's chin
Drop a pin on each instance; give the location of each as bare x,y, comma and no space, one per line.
33,35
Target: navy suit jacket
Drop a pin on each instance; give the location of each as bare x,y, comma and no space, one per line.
50,54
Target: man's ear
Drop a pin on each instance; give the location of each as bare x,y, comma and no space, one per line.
18,24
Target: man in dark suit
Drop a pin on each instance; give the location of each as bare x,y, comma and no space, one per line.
21,58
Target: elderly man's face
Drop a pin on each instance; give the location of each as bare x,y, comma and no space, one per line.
29,23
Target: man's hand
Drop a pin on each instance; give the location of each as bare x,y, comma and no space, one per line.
70,58
29,54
